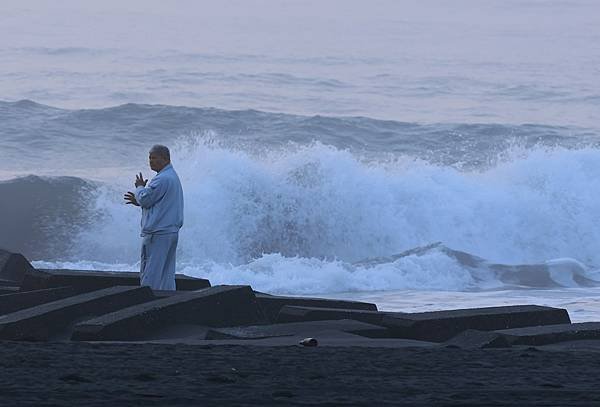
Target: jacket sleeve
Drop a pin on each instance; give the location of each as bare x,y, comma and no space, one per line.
148,196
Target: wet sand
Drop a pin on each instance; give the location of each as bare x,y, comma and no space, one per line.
44,374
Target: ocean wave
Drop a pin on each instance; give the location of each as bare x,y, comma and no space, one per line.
317,210
39,216
98,138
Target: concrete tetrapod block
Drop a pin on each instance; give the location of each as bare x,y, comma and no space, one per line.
27,299
298,314
304,329
215,306
474,339
13,267
43,321
95,280
439,326
9,290
272,304
544,335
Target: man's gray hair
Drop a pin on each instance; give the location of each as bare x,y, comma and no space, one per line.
161,150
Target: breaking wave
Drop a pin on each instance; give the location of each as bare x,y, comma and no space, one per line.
313,219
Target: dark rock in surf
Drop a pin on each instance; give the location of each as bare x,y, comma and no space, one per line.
85,280
13,267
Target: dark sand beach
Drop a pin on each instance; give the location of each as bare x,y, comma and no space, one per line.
45,374
83,338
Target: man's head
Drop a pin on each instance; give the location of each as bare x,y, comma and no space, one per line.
159,157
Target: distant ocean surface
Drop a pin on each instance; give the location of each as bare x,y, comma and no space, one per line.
413,175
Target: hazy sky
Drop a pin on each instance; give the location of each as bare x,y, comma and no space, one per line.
522,28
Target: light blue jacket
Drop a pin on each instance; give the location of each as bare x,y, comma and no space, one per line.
162,203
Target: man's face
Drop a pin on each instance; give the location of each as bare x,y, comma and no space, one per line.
157,162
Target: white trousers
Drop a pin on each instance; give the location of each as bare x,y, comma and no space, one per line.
157,266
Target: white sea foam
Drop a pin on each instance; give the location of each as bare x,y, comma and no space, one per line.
296,275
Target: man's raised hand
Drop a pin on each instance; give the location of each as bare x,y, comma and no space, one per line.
140,181
130,198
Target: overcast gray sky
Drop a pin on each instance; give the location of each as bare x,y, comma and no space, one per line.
308,27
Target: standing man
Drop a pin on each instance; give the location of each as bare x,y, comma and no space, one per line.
162,217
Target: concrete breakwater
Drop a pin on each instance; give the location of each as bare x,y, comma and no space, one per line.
70,305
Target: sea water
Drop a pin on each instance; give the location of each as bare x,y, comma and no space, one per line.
419,155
